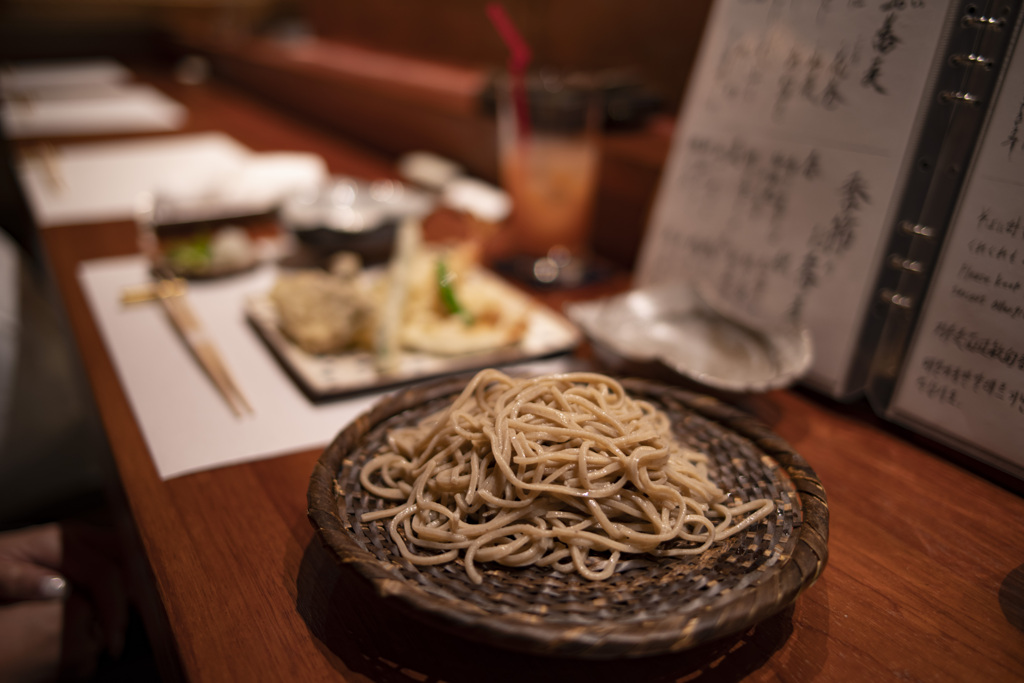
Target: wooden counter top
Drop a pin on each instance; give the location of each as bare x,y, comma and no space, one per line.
925,579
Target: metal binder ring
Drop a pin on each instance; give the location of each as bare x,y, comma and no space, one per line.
947,96
971,60
912,228
905,264
896,299
983,22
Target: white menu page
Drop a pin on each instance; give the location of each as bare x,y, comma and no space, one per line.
963,376
787,164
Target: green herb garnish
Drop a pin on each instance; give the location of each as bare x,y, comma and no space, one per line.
192,255
445,288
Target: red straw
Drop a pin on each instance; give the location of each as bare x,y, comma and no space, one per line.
519,57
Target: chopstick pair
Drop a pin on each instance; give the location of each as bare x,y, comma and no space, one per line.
170,291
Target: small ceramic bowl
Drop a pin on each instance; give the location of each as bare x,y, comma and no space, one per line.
354,215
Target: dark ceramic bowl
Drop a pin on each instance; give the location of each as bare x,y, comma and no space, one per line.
354,215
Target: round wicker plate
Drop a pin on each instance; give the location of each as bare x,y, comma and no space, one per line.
655,606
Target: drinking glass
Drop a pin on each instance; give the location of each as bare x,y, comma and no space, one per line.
549,128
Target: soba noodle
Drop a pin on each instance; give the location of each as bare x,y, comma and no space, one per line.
566,471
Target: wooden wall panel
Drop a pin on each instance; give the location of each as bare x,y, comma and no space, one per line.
657,38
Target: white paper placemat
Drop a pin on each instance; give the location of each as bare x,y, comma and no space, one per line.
187,425
105,110
36,75
101,181
77,184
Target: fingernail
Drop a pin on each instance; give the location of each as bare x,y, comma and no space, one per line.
53,587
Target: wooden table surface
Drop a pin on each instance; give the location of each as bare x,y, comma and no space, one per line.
925,579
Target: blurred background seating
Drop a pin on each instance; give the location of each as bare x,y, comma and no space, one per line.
398,76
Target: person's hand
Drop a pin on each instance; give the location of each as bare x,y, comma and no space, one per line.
29,564
62,602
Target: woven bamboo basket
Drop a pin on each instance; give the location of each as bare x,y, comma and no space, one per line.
656,606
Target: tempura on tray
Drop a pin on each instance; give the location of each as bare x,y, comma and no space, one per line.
429,298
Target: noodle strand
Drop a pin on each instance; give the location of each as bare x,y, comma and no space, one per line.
566,471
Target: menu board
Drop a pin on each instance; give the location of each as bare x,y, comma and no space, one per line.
790,158
963,376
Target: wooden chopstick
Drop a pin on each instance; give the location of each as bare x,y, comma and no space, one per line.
172,296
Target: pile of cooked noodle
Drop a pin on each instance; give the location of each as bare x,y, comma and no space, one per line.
562,470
